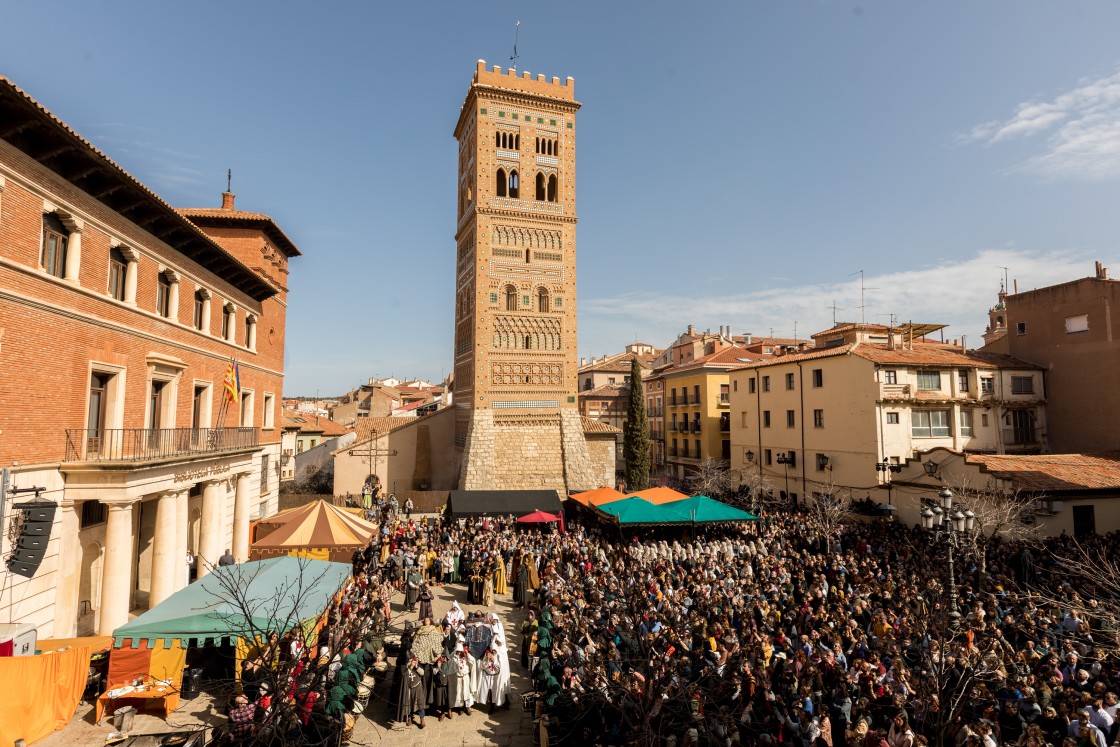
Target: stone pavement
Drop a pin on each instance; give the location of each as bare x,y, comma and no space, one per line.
505,728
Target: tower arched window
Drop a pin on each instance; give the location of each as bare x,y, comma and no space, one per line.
500,182
540,186
513,184
511,298
552,188
497,140
542,299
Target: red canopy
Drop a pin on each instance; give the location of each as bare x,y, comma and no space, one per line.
541,517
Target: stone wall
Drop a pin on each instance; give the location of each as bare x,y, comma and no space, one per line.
602,450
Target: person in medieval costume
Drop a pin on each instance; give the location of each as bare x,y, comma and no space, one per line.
500,693
528,630
461,694
488,587
412,585
490,669
444,681
500,584
425,599
414,696
455,615
521,583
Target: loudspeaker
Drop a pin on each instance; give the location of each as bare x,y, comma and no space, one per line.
34,534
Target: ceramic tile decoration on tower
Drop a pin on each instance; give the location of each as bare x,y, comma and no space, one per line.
517,425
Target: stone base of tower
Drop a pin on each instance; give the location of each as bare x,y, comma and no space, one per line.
531,451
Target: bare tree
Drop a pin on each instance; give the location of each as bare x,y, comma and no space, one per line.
999,515
756,492
712,478
831,506
1083,581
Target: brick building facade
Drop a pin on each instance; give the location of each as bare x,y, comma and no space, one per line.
119,317
517,425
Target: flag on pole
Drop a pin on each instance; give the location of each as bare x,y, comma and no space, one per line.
233,382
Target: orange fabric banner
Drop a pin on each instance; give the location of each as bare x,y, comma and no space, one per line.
39,694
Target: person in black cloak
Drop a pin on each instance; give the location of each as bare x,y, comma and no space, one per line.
425,602
396,699
413,697
521,585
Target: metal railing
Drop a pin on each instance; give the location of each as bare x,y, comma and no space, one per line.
1020,436
695,428
146,444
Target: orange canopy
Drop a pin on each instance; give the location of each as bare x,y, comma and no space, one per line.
317,525
661,495
597,497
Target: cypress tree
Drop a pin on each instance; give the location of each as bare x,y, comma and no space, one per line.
635,434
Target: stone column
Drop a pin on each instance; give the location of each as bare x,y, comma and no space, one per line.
182,533
69,572
116,571
165,561
73,249
210,531
240,547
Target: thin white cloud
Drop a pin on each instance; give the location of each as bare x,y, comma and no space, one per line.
1083,126
957,293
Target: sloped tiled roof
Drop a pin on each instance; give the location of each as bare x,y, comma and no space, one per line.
590,425
254,220
308,423
607,390
729,357
938,355
930,354
619,363
82,157
1053,472
364,427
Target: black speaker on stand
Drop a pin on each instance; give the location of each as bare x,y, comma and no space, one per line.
34,534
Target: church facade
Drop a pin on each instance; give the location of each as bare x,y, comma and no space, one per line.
517,423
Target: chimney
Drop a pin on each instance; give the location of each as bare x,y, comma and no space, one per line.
1102,272
747,337
227,200
728,331
691,330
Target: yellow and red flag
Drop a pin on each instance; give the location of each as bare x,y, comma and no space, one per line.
233,382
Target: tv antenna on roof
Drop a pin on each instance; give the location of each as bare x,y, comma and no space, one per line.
862,290
516,32
834,308
229,179
1005,269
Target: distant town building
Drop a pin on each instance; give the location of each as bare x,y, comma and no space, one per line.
823,419
1070,330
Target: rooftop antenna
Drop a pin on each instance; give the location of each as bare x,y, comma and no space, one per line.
516,32
1005,285
229,179
862,291
795,329
834,308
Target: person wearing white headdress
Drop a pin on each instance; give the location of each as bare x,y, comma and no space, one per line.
496,626
500,692
455,616
489,670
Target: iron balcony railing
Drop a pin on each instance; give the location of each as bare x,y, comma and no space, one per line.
695,426
1020,437
147,444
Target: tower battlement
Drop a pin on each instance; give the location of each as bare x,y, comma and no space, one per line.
525,82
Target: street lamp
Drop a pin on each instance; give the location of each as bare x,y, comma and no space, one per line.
886,468
948,526
788,459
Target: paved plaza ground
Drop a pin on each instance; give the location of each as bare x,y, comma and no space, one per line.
507,728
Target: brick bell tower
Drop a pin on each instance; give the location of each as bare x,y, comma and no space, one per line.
516,421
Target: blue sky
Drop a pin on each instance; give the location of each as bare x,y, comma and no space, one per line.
737,161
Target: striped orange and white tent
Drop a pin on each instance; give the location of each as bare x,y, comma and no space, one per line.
318,530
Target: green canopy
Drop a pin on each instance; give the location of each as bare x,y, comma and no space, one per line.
699,509
703,509
636,510
241,601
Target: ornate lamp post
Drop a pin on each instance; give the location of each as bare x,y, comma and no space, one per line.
886,468
947,526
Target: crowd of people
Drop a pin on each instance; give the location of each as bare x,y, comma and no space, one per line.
760,633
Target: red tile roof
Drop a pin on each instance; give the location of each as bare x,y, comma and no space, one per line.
255,220
607,390
590,425
930,354
308,423
1053,472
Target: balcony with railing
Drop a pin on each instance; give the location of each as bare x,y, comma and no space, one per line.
725,422
154,444
695,427
1020,437
724,399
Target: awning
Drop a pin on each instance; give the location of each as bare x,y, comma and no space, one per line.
597,497
240,601
661,495
699,509
463,503
538,517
